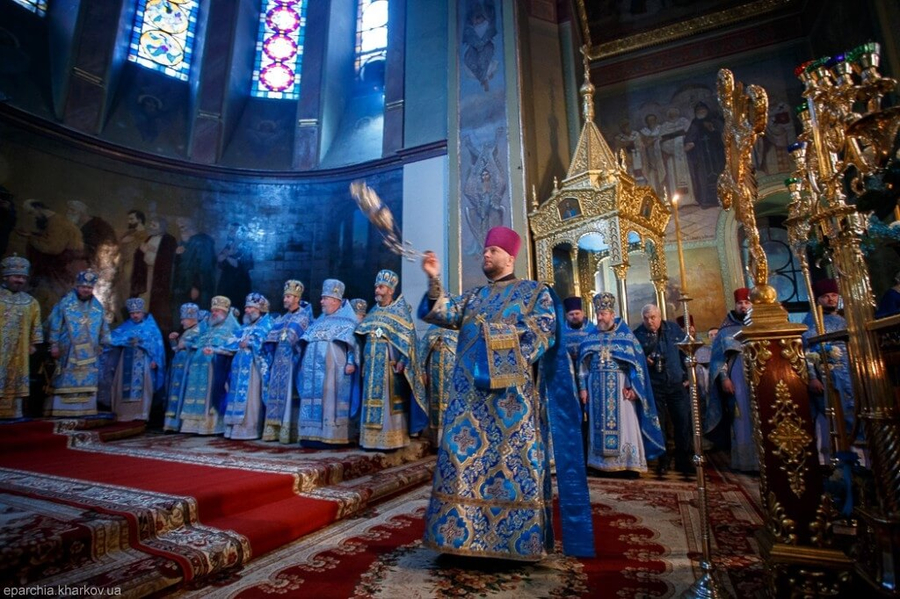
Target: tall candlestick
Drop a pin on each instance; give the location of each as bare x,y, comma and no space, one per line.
684,288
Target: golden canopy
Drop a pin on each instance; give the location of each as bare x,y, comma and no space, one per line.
599,201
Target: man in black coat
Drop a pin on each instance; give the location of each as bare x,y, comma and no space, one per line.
668,378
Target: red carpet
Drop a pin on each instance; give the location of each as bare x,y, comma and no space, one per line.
261,507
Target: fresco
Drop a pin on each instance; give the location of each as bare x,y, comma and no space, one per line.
483,157
708,307
173,238
670,127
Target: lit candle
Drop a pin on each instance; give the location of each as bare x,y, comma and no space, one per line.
678,244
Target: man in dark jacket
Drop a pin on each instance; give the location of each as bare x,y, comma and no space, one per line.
668,378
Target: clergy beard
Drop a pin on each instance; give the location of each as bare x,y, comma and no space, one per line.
576,325
828,310
216,319
250,318
606,327
492,272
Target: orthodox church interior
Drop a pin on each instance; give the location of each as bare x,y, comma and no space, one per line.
667,151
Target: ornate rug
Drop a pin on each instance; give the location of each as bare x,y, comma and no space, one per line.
647,537
76,510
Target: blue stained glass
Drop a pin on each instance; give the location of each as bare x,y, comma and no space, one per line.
279,50
163,36
371,31
38,7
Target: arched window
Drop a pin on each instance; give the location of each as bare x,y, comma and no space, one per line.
38,7
163,36
279,49
784,269
371,34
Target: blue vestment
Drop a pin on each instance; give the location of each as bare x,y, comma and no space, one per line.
79,330
492,483
610,361
437,352
838,360
247,379
133,347
201,411
329,397
187,345
282,347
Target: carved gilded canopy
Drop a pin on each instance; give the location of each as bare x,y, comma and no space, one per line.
599,200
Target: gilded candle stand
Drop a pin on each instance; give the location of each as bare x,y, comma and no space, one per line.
847,137
793,542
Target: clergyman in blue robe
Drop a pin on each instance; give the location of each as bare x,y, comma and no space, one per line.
492,494
282,348
838,365
136,347
201,410
729,396
329,373
77,332
249,371
393,403
623,425
183,345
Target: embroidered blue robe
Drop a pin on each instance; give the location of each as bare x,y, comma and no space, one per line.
79,329
437,352
283,352
611,360
492,489
249,373
727,361
200,411
177,372
393,404
329,397
133,346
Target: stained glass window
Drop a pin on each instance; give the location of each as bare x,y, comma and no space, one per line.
279,49
163,36
371,32
36,6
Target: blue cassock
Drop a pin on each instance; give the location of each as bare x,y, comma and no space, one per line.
573,338
136,357
282,347
608,353
838,363
727,359
329,397
79,328
177,371
492,494
245,359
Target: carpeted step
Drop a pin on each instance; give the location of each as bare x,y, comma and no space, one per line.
182,511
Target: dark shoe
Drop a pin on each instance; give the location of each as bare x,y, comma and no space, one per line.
662,469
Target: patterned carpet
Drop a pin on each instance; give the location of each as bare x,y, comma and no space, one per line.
143,514
647,537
